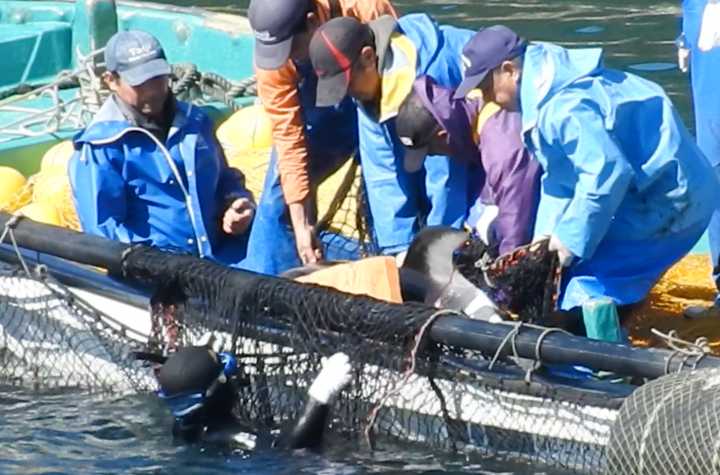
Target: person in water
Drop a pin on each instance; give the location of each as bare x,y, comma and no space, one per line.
488,140
310,142
700,53
201,389
625,191
376,64
148,168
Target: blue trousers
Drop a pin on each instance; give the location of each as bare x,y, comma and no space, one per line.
271,248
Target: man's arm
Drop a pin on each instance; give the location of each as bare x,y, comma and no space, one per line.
99,194
308,431
601,173
279,95
369,10
278,92
513,179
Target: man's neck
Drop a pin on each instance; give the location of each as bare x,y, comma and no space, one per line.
158,126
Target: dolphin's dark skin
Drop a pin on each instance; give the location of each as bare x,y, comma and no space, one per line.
428,265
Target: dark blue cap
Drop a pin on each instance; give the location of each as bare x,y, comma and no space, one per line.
486,51
275,23
136,56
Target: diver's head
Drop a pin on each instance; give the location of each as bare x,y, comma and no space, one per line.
199,387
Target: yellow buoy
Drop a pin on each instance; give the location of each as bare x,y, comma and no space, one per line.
51,185
245,130
11,182
59,154
42,213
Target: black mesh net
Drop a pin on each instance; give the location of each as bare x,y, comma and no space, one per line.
50,338
525,283
406,386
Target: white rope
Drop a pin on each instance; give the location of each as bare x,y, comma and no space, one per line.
68,114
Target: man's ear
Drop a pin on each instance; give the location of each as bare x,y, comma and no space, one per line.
111,80
313,22
508,67
367,57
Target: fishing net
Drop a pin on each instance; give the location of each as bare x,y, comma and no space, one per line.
524,283
405,385
670,426
51,339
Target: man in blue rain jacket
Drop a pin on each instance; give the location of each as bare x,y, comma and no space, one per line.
625,191
699,51
148,168
376,64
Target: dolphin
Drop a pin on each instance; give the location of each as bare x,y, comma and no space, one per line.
428,275
428,270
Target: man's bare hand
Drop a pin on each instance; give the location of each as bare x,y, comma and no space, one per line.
238,216
308,245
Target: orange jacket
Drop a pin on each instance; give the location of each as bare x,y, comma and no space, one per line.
278,93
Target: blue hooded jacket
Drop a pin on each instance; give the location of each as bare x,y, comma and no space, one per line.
130,187
624,186
415,46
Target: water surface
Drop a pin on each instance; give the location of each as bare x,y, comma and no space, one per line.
70,434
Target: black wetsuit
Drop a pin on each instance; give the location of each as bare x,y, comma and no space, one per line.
221,426
194,370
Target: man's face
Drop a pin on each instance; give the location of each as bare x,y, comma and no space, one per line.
502,86
364,78
148,98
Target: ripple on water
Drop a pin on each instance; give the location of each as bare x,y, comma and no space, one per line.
590,29
653,67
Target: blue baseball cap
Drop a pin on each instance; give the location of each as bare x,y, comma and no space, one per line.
275,23
485,51
136,56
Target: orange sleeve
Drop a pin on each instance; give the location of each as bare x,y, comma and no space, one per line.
278,93
367,10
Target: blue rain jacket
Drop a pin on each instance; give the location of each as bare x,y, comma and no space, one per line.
624,186
704,75
130,187
440,192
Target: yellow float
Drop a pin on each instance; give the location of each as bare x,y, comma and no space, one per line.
59,154
247,129
42,213
15,189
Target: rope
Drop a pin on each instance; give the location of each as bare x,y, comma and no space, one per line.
698,349
511,337
409,372
7,231
76,113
